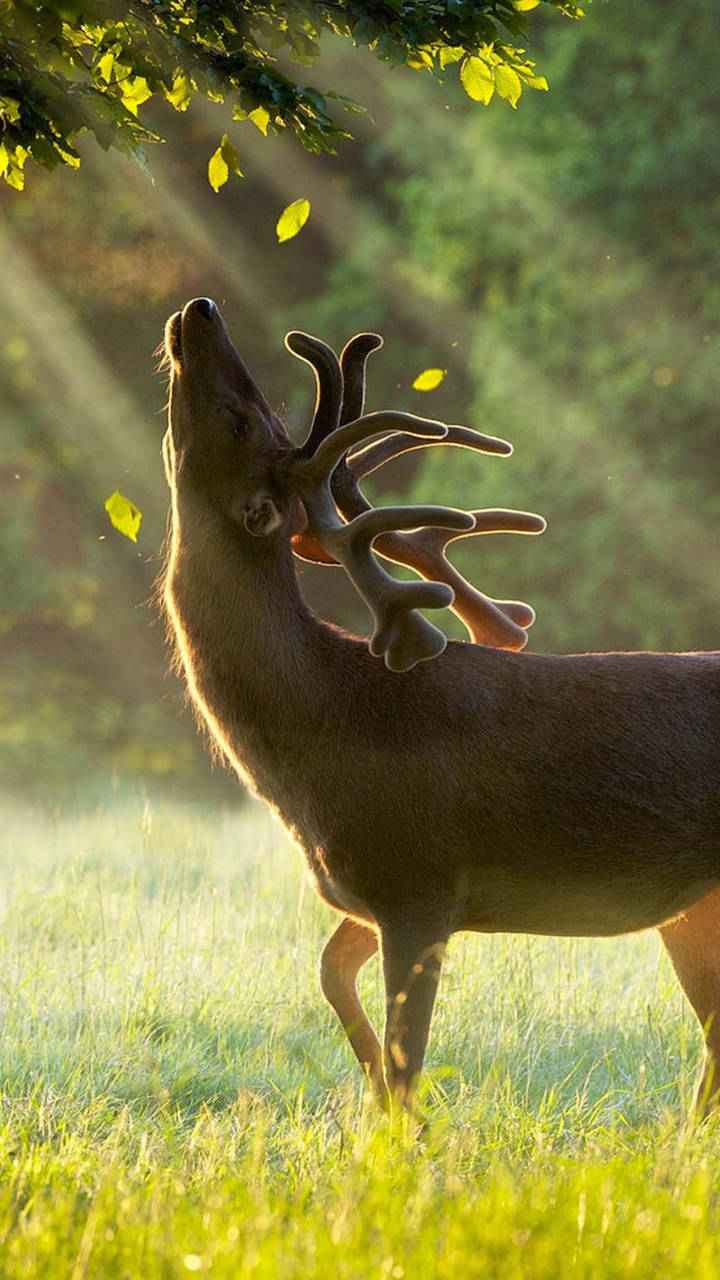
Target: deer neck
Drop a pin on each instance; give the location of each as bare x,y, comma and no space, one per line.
249,648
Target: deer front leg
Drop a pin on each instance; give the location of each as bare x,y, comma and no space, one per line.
412,959
351,945
693,943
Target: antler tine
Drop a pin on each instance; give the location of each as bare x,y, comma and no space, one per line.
499,623
329,381
327,482
353,359
366,460
401,634
335,445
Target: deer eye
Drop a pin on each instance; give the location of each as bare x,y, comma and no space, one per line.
239,429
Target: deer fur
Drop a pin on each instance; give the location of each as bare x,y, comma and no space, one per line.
483,790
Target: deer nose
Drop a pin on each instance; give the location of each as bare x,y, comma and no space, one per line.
205,306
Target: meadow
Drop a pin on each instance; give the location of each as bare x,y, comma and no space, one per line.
177,1098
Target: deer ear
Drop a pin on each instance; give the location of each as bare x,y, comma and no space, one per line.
304,544
260,515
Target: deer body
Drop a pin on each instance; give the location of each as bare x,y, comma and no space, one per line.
483,790
569,795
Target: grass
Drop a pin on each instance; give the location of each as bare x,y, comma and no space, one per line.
176,1098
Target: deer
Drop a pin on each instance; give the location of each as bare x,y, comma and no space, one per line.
432,786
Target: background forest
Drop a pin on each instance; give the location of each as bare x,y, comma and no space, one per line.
562,262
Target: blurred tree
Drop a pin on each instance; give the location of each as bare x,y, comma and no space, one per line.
75,65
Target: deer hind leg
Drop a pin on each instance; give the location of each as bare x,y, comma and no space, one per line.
351,945
693,943
412,960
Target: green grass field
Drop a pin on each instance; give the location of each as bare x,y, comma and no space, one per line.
177,1098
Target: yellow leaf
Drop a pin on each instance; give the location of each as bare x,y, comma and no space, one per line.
15,178
524,6
429,379
536,82
508,83
134,93
292,219
477,80
218,171
448,55
124,515
180,94
105,66
230,156
261,119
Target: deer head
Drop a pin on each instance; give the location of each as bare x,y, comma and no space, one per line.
228,452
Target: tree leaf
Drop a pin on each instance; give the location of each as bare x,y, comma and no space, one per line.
230,156
536,82
524,6
508,83
105,66
124,515
180,94
224,161
261,119
135,91
292,219
429,379
218,172
477,80
450,54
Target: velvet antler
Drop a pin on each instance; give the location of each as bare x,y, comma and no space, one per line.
325,472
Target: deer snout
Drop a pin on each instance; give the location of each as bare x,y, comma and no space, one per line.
204,307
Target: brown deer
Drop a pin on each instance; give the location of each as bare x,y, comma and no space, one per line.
452,786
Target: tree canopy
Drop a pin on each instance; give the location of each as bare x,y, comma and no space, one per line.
89,65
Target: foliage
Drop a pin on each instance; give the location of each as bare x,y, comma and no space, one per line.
576,302
92,64
177,1097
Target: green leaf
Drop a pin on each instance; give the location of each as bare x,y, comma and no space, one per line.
222,163
292,219
508,83
261,119
124,515
429,379
477,80
10,109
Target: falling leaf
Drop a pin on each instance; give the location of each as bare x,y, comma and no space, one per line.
124,515
222,163
292,219
477,80
429,379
